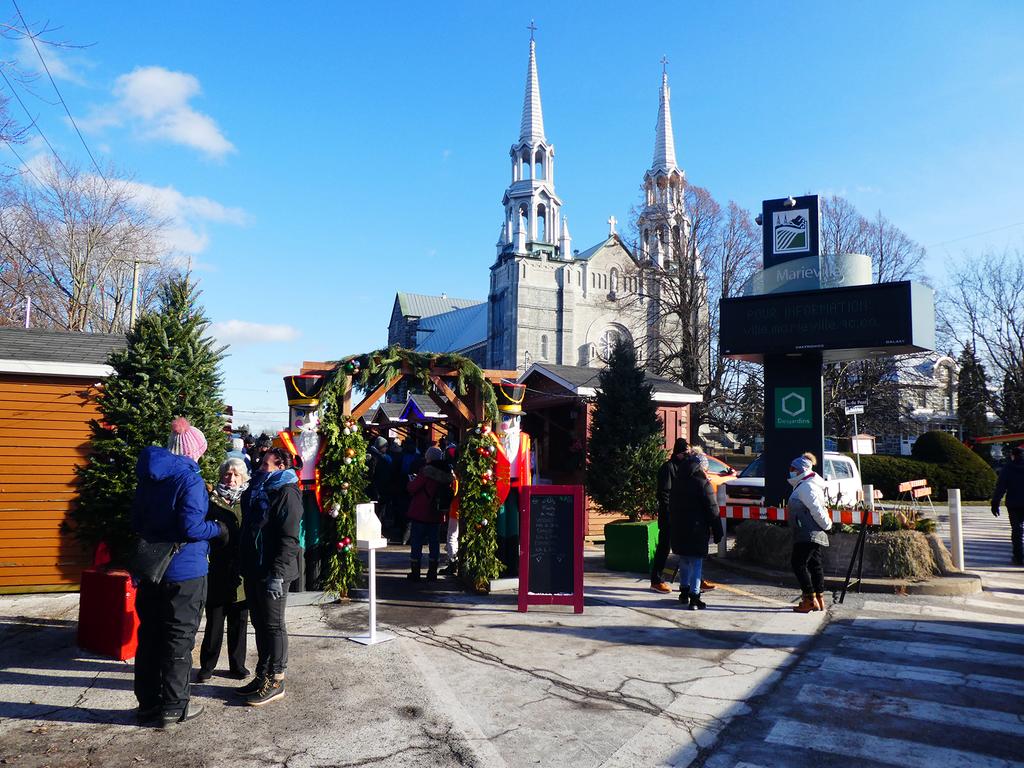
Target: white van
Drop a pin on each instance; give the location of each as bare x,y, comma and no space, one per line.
842,482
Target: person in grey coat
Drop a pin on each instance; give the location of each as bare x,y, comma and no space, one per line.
809,518
1011,484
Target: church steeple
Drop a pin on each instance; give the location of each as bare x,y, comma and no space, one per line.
664,142
532,127
663,224
532,209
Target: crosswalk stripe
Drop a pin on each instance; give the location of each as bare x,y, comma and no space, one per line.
878,669
911,649
933,628
995,605
938,611
915,709
898,752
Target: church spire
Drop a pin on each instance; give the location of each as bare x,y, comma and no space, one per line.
664,143
532,127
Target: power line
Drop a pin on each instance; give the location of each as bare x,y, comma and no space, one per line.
976,234
67,111
33,122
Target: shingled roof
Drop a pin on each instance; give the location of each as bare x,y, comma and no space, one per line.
38,345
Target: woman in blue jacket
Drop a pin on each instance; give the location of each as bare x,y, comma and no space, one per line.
170,506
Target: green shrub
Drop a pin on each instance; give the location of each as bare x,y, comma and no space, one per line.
939,458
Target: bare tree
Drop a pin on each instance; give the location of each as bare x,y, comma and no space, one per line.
983,306
70,239
712,258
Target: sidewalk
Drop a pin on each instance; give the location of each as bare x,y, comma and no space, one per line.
470,681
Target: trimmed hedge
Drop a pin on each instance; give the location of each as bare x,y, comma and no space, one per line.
939,458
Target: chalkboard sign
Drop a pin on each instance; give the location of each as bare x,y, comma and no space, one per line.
551,546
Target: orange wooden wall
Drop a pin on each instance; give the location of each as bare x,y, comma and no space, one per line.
44,433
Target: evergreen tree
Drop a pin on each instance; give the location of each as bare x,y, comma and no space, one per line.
1013,399
168,369
750,421
972,397
625,446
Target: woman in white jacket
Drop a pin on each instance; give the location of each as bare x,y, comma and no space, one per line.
808,516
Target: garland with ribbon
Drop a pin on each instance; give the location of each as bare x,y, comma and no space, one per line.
343,467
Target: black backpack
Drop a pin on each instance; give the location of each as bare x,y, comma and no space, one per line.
443,499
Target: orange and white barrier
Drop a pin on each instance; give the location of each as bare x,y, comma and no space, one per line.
778,514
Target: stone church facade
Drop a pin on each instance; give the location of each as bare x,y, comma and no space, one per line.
547,301
551,303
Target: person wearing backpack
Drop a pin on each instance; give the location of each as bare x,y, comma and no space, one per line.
430,496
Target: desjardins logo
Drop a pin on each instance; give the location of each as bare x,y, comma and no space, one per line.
791,231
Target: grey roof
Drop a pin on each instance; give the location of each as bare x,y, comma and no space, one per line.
454,331
421,305
607,242
579,378
58,346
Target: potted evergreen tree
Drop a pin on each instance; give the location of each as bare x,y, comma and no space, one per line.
625,450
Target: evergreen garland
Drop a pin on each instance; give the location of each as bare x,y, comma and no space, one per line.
478,508
343,486
168,369
343,483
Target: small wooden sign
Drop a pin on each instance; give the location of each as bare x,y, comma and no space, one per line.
551,546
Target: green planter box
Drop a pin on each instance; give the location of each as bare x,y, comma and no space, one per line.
630,546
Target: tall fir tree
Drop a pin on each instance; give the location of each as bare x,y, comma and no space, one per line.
625,447
972,397
1013,399
170,368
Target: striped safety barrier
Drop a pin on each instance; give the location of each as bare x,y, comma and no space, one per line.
778,514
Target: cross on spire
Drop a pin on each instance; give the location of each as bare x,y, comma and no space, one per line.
612,221
664,65
532,28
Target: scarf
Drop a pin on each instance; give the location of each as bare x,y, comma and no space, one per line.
229,495
260,484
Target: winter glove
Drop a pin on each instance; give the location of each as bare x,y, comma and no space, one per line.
995,511
223,534
275,588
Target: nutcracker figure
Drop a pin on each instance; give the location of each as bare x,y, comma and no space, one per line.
302,438
515,458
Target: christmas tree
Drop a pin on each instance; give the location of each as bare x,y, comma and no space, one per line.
625,446
972,399
170,368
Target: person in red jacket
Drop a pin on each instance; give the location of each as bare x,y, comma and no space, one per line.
429,495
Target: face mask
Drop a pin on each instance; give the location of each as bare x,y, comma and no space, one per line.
793,473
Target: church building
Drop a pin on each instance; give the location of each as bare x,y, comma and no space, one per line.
548,302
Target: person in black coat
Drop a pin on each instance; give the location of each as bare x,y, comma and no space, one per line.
268,553
666,476
693,517
1011,484
225,597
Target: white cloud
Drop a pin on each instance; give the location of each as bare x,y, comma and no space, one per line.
186,215
155,101
244,332
28,59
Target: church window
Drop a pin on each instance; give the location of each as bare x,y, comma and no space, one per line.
609,339
544,347
542,224
538,165
524,270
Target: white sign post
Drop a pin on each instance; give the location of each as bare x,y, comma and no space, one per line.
855,409
368,537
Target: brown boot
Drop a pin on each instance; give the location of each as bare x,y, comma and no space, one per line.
806,604
819,601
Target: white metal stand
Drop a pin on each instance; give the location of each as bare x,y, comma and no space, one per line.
373,636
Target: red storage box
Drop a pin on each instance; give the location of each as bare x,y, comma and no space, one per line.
107,622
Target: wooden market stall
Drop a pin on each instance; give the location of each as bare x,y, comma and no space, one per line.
45,381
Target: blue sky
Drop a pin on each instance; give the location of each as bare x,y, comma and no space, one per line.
317,157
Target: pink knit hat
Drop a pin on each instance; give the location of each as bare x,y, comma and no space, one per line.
186,440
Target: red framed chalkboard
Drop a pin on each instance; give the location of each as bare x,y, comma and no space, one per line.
551,546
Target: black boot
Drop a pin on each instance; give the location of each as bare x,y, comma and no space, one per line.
414,570
684,594
696,604
432,570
